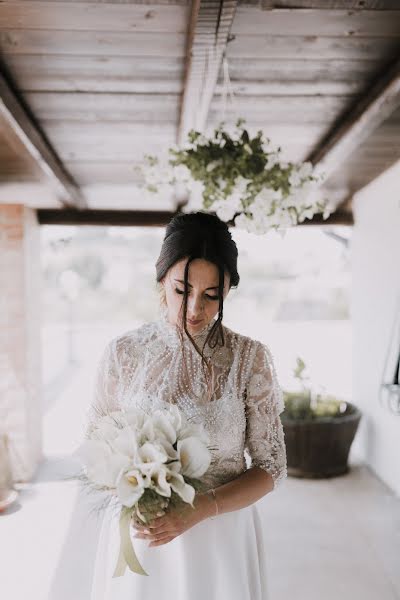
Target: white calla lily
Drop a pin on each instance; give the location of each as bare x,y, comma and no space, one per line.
104,431
169,449
125,443
135,418
102,465
158,474
164,427
175,416
183,489
130,487
194,457
194,430
152,452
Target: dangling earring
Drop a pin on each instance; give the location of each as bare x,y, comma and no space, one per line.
162,299
163,296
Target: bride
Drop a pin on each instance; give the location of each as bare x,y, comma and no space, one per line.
226,381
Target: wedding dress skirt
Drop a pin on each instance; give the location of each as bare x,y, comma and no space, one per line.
217,559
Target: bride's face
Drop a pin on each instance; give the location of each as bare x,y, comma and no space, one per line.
202,303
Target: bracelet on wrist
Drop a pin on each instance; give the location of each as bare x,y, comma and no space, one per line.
212,491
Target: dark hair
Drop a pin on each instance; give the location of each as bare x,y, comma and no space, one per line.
200,235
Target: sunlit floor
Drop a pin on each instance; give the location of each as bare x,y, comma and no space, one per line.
326,539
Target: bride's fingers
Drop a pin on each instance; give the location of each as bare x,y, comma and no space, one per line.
160,541
138,524
166,529
151,536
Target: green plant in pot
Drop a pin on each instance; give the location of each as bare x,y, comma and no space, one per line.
319,429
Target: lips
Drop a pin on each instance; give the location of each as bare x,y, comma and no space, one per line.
194,322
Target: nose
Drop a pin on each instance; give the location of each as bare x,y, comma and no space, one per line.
195,307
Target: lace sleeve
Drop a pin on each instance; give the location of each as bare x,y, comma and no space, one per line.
105,393
264,402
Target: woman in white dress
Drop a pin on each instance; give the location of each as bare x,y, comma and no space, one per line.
227,382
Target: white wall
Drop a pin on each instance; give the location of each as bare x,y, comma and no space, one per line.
375,293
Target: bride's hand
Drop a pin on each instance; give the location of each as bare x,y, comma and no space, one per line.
138,523
163,529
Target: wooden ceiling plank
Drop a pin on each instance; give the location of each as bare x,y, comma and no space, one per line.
118,74
142,2
242,47
327,23
358,123
164,109
329,4
37,146
84,16
309,47
209,28
98,43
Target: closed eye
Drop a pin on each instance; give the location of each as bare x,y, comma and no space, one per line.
207,295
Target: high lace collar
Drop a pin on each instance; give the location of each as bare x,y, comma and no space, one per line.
171,334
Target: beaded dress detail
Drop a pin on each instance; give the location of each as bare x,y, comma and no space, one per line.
151,366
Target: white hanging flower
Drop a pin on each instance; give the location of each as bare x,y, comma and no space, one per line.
272,160
181,173
252,193
241,184
227,208
306,170
327,211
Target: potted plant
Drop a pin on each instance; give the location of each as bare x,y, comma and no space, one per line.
319,430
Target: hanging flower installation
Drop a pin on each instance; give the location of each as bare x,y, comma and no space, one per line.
241,179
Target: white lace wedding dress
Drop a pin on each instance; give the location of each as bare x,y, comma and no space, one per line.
222,558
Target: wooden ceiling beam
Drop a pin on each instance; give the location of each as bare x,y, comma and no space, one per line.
209,28
24,128
359,122
143,218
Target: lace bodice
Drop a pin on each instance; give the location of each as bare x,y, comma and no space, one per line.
144,367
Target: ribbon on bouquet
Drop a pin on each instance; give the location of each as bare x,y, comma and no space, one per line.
127,556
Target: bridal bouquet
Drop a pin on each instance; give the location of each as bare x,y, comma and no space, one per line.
144,462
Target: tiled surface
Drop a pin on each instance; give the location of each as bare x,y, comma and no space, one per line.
333,538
